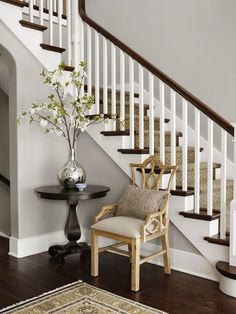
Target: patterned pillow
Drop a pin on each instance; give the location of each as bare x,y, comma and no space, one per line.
138,203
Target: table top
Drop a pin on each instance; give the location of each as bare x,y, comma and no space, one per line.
57,192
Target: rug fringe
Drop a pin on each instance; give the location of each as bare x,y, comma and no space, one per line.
11,307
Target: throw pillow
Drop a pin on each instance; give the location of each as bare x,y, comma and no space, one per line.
138,203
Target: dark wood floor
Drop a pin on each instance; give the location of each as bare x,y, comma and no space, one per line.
24,278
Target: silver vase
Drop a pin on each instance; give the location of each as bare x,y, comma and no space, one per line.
71,173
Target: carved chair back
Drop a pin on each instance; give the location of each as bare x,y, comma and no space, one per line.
152,173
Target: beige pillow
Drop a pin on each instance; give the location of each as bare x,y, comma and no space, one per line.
138,203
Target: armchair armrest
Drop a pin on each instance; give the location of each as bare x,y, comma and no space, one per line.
156,221
105,210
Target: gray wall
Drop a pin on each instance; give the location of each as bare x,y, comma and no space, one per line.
191,41
37,157
5,223
101,169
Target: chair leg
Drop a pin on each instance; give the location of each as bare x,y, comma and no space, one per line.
166,256
135,264
130,249
94,254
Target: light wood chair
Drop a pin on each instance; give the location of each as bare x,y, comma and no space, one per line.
131,231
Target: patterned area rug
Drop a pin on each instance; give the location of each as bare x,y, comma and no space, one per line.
77,298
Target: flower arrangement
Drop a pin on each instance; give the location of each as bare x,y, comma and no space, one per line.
62,114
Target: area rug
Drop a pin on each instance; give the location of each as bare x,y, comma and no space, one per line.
79,297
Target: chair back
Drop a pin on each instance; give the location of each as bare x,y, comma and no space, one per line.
152,171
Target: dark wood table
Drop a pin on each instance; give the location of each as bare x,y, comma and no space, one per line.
72,227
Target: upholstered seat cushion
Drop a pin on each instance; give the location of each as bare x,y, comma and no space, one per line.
124,226
138,203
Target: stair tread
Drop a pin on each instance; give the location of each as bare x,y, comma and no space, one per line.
52,48
226,270
127,132
69,68
34,26
136,117
178,133
16,2
109,90
202,215
216,184
136,105
115,133
203,165
145,150
217,240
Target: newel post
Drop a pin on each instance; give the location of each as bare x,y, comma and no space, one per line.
232,251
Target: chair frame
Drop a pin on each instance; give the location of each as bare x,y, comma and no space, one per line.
156,224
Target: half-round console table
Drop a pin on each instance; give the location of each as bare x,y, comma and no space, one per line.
72,227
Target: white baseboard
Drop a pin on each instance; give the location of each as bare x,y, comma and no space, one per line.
37,244
183,261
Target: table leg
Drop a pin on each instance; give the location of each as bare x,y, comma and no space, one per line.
73,234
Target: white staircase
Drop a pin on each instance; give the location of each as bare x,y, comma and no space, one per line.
84,39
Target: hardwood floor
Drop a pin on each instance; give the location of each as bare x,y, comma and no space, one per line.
24,278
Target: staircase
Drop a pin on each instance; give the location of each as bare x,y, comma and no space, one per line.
203,190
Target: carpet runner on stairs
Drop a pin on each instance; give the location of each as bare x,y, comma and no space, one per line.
191,153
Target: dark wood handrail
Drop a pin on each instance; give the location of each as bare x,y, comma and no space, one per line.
157,72
4,180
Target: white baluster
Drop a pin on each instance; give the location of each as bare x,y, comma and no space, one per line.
113,83
41,12
105,62
89,60
232,243
223,184
162,121
173,132
185,145
141,108
131,101
75,34
122,90
151,113
197,163
97,87
68,15
234,142
210,167
55,5
81,26
50,23
31,11
59,17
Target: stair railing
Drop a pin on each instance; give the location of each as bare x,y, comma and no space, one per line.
113,65
57,16
182,103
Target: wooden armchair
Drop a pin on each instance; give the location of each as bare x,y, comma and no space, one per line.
134,230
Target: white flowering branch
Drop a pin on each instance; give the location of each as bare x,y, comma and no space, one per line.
62,114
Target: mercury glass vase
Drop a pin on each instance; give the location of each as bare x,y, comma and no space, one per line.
72,172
